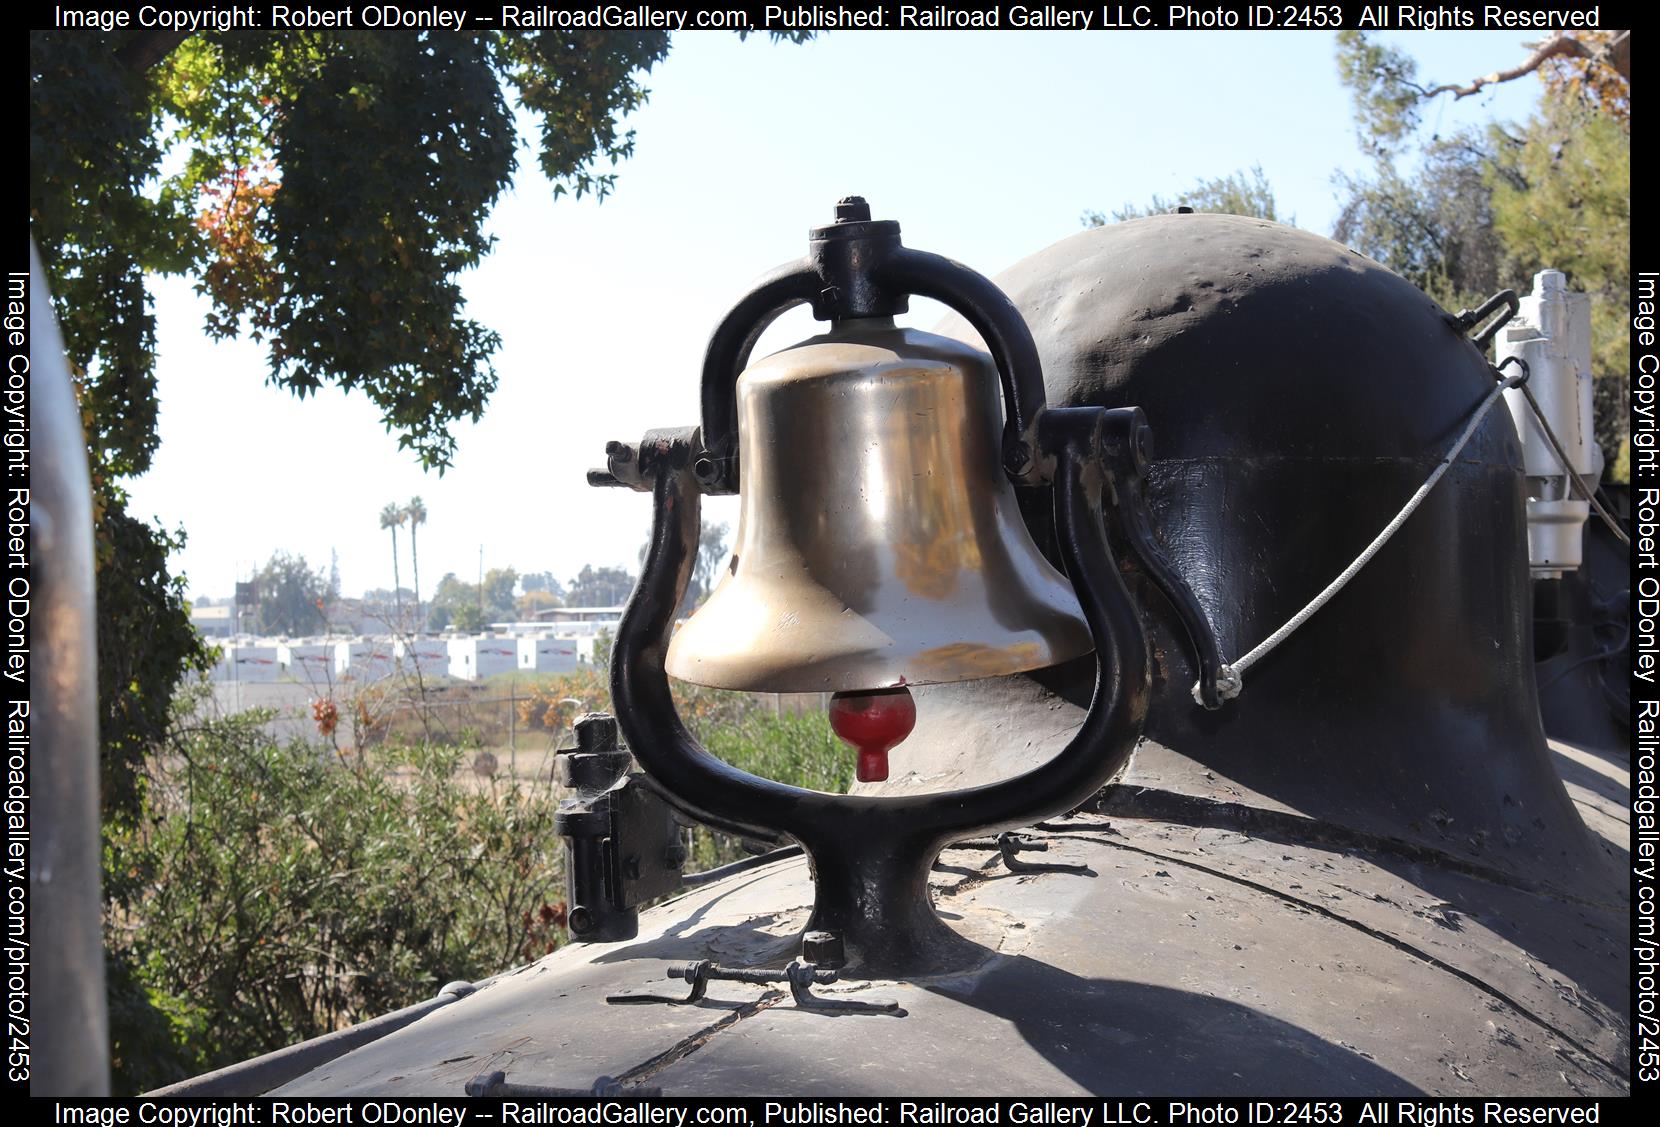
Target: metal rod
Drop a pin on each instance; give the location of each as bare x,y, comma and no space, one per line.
71,1031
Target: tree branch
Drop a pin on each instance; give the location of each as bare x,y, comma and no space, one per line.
1616,54
147,48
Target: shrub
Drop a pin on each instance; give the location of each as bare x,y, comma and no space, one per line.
288,890
272,892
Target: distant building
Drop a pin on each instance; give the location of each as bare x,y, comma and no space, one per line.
570,616
473,659
363,659
547,655
256,662
212,622
310,663
429,657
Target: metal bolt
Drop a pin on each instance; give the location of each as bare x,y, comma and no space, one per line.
1016,457
852,209
823,949
595,731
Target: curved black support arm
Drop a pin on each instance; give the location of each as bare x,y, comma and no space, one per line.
871,854
986,307
794,283
1133,511
676,763
1128,451
1118,706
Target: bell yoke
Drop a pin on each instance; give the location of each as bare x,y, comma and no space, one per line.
880,545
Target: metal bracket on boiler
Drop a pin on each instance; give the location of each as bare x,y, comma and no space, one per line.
622,841
496,1085
800,975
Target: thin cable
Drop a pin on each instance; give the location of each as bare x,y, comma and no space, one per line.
1230,679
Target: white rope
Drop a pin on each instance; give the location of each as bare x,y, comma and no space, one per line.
1231,677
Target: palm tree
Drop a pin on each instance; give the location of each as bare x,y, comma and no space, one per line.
391,517
416,511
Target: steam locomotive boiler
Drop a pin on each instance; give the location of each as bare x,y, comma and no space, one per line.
1132,817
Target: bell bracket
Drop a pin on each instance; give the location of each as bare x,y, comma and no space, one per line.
871,854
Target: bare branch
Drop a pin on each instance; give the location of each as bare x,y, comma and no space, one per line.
1616,54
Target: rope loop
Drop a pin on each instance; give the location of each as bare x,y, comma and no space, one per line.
1228,683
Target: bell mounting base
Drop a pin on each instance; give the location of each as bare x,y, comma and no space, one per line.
873,895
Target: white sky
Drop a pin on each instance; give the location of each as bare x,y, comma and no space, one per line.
985,146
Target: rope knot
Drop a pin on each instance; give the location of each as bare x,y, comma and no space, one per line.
1228,684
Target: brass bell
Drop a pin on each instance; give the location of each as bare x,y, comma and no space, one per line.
879,541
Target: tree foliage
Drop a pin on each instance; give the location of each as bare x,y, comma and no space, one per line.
334,186
1434,228
530,604
1383,84
416,511
460,604
92,151
276,891
1467,215
327,189
599,587
293,599
499,583
1561,197
391,517
1590,67
140,663
451,597
543,581
1238,193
